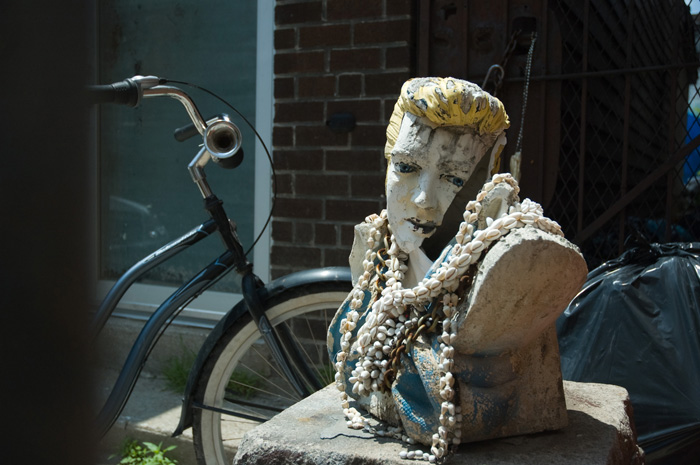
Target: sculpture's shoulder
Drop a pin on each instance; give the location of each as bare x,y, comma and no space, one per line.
359,248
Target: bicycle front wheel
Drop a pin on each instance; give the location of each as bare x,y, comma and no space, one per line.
241,385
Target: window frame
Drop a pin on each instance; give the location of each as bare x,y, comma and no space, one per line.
143,299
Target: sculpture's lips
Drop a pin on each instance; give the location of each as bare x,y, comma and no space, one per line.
422,227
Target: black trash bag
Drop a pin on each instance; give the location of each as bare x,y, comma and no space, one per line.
636,324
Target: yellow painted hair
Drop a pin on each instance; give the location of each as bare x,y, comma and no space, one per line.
451,102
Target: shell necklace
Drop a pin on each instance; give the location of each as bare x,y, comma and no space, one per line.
398,316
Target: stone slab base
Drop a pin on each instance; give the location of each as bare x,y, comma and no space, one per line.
313,431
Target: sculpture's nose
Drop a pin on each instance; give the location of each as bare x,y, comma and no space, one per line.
425,194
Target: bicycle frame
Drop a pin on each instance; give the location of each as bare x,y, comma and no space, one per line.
284,351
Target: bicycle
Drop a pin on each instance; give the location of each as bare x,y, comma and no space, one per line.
268,351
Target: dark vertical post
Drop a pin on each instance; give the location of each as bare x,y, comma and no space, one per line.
44,196
673,87
626,123
584,98
423,38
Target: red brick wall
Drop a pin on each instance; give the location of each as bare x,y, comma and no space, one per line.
332,56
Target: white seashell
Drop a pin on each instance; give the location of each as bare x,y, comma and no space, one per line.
364,339
477,246
528,218
453,338
421,290
409,296
479,236
473,217
493,234
464,259
497,178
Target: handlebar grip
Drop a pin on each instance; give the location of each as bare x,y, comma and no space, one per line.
185,132
124,92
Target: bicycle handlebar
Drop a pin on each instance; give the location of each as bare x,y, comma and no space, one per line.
222,138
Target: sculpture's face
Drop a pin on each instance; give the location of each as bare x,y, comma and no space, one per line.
427,169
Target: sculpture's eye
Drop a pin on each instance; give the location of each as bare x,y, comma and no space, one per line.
405,167
457,181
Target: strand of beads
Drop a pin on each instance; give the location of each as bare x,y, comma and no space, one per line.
386,322
348,324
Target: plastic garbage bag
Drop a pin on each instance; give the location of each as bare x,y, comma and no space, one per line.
636,324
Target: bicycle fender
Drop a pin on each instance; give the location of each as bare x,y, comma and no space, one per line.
276,287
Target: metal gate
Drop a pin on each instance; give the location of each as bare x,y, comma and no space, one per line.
610,135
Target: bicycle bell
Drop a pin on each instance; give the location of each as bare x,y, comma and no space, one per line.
223,140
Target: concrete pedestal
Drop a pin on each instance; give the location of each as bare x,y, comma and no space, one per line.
314,432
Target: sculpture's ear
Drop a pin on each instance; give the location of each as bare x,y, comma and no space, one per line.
453,217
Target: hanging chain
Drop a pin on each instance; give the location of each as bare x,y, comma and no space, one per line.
526,88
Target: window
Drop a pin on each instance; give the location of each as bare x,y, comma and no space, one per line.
146,195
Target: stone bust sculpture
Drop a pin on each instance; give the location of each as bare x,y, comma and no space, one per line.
448,333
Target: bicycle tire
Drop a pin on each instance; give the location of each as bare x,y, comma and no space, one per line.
308,311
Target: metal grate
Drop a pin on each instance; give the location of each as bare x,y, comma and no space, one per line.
630,72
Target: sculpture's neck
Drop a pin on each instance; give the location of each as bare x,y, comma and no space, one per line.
418,265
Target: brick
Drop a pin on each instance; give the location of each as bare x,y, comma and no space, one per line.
385,83
364,109
283,184
336,256
400,7
347,231
315,136
349,210
354,160
298,12
355,59
367,186
296,256
303,233
298,208
325,234
339,9
285,39
321,184
299,62
379,32
334,35
282,231
316,86
350,85
298,112
369,135
400,57
282,136
298,160
284,87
